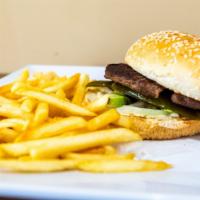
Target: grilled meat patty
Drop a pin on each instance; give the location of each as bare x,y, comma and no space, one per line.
185,101
125,75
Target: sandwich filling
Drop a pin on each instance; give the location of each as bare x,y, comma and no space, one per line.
125,75
128,87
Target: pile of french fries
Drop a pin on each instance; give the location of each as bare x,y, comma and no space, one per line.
47,125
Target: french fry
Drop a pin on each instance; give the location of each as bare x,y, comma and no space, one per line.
15,123
81,156
26,165
13,111
44,84
60,94
103,119
2,154
56,112
49,76
65,85
98,105
41,114
74,132
33,82
5,88
96,150
28,105
99,150
70,108
25,158
55,146
18,86
106,149
7,135
4,100
12,96
63,145
23,76
110,150
80,89
119,166
45,77
69,93
54,128
21,99
22,148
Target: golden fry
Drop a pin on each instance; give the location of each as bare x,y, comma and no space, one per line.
16,86
4,100
15,123
13,111
119,166
54,128
12,96
74,132
23,76
33,82
41,114
63,145
45,77
70,93
26,165
60,94
44,84
22,148
80,89
65,85
52,147
5,88
2,154
106,149
103,119
96,150
7,135
110,150
59,103
28,105
81,156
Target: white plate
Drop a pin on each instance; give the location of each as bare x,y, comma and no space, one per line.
181,182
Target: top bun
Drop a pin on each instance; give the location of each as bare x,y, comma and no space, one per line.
170,58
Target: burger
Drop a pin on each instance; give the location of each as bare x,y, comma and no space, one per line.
157,88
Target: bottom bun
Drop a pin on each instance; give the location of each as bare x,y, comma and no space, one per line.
160,129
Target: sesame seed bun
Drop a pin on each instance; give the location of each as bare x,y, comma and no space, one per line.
170,58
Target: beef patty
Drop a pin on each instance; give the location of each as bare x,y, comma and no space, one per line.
125,75
185,101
